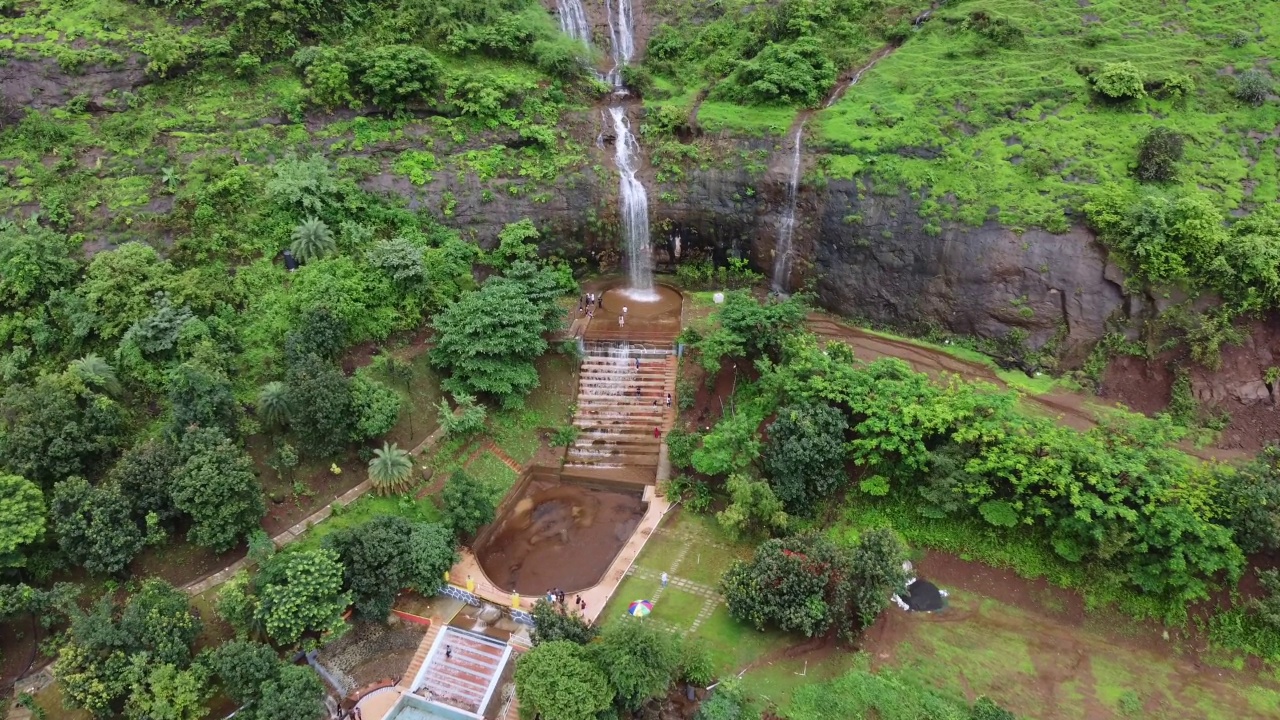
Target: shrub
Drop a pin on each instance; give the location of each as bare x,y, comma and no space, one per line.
468,504
1253,87
1119,81
795,73
1159,154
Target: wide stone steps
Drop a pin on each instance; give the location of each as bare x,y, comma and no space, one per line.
619,406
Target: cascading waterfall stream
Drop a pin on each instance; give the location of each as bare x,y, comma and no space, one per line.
787,228
635,208
626,154
622,37
573,21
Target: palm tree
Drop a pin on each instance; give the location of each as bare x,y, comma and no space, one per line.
312,240
273,403
93,370
389,470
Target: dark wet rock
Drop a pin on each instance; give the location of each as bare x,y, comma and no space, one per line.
41,83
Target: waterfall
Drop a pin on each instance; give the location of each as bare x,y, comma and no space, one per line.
622,38
787,228
635,207
573,20
626,154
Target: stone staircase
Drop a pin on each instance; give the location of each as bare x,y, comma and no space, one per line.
420,655
622,390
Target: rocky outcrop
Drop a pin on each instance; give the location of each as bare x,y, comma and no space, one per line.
42,83
873,256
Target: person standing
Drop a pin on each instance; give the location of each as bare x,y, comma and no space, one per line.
665,579
656,432
668,399
622,320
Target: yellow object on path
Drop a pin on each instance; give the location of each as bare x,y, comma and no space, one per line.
515,601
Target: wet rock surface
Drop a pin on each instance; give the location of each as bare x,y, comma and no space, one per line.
41,83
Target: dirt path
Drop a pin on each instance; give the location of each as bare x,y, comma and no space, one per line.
1074,410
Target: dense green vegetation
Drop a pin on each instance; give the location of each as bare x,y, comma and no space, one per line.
1116,496
1022,106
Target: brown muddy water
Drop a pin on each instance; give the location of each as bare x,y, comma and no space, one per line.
559,535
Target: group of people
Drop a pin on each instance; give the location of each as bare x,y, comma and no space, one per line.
556,597
590,303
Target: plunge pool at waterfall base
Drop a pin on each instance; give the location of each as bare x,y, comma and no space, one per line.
559,535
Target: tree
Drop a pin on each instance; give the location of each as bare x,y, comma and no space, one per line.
780,587
22,516
468,504
550,624
556,679
34,262
1253,87
390,469
1159,154
400,259
638,659
301,592
202,398
875,573
57,427
376,561
297,694
312,240
93,371
238,606
273,404
396,74
1250,501
108,649
320,405
753,508
431,555
244,667
144,474
516,241
376,407
726,703
95,526
468,419
804,459
319,332
791,73
304,185
487,341
163,692
119,285
1119,81
217,487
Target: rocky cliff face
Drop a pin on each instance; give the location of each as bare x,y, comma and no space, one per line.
872,256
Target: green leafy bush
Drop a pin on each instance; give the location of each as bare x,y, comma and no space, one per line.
1119,81
1253,87
1159,154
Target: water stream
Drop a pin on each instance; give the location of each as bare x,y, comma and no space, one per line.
787,228
622,37
635,208
573,21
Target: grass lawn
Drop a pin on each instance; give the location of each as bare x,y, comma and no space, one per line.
548,406
660,552
366,508
493,473
677,607
1038,666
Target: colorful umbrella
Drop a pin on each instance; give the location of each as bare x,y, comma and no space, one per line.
640,608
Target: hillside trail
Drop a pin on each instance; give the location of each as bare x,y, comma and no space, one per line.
1074,410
